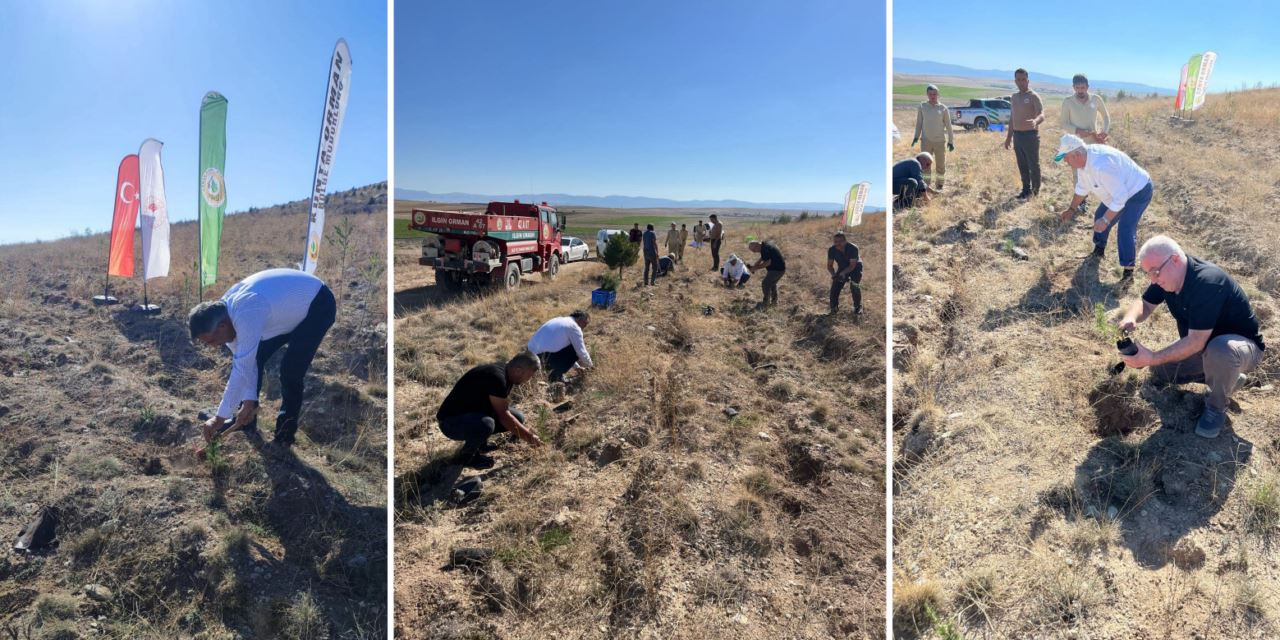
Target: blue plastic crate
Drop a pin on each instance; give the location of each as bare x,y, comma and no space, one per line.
996,126
603,298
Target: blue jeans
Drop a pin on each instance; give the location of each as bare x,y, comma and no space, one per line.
1127,236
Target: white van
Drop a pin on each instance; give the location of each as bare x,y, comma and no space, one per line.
602,239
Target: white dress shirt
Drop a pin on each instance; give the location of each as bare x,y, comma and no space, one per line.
1111,175
265,305
557,334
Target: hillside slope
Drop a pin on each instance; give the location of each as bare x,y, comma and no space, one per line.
653,513
99,411
1035,495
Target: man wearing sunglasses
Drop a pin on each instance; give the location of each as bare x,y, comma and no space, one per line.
1219,336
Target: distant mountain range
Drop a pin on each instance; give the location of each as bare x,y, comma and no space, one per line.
930,68
617,202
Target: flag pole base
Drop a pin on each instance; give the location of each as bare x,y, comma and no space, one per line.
148,309
105,300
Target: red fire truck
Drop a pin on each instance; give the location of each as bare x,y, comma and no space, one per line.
493,247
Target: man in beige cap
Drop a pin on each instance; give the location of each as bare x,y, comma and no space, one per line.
1024,133
1123,188
933,131
1080,113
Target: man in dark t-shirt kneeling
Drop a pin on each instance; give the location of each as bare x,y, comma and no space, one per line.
845,267
1220,340
480,405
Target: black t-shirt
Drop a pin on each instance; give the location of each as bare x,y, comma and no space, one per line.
635,235
770,252
1209,299
843,258
472,391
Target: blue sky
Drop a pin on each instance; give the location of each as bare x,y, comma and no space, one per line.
88,81
763,101
1144,42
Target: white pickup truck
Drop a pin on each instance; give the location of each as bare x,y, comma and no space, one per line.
982,113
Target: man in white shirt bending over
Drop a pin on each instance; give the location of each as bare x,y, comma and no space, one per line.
1123,188
559,345
254,319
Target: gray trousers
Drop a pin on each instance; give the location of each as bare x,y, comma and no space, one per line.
1218,366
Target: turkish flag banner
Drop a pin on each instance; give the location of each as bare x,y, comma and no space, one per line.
120,261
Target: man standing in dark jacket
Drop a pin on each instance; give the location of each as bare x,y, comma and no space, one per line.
650,255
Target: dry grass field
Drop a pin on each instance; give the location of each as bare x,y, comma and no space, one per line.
1035,495
653,513
98,414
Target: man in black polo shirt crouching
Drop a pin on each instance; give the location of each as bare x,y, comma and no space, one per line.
1220,340
774,267
845,268
480,405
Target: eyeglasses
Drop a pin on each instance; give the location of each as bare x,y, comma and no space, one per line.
1155,273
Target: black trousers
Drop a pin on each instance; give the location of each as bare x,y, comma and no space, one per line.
907,190
715,254
769,286
303,342
474,429
650,269
854,281
558,363
1026,146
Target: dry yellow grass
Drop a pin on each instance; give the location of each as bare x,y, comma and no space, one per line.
652,513
998,458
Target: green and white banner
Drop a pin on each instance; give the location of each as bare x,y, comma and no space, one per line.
335,107
854,202
212,201
1193,72
1202,78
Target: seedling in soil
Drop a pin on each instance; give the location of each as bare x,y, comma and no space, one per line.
217,460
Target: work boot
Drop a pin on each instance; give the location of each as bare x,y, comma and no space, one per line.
474,460
1127,276
1097,253
1023,195
286,429
1210,423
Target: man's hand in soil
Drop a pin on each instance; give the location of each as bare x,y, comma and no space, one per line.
529,436
1066,215
1140,360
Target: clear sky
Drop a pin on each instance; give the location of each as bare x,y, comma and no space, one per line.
87,81
767,101
1146,42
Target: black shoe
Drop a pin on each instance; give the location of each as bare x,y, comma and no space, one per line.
1023,195
858,311
1096,254
1127,276
474,460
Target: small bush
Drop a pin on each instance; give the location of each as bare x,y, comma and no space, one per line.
1262,508
912,605
51,606
303,620
90,467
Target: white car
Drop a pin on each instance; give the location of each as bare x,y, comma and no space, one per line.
602,239
572,249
